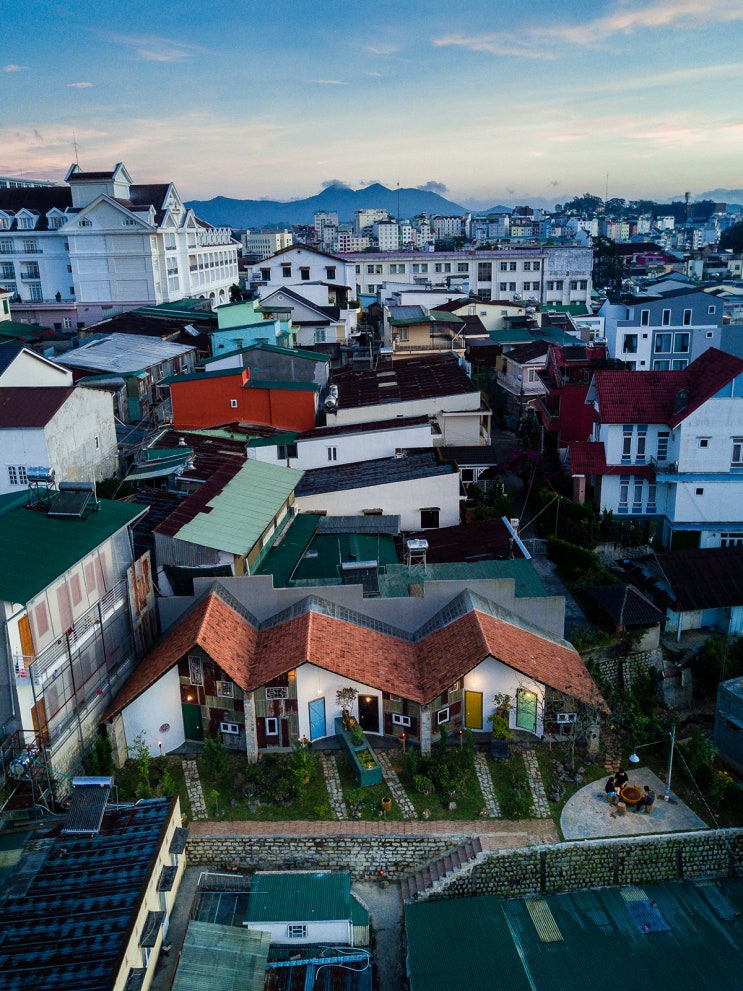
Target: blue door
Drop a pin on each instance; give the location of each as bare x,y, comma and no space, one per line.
317,719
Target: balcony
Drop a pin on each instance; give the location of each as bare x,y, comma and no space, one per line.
663,467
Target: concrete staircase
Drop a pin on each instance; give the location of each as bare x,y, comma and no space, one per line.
448,866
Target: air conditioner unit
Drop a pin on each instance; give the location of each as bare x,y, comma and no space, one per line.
567,717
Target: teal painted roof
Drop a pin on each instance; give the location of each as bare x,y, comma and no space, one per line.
234,519
286,437
273,348
281,561
281,384
574,309
315,896
520,336
683,935
224,957
398,577
37,548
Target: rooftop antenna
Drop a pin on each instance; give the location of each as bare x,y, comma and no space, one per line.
398,201
606,195
74,145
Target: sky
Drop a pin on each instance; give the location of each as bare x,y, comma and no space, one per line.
483,101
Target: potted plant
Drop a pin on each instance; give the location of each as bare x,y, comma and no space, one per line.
386,803
345,698
499,722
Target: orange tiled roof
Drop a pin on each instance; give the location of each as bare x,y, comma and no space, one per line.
416,668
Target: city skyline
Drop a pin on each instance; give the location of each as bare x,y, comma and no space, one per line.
491,103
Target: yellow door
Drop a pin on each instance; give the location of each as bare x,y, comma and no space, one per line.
27,643
473,710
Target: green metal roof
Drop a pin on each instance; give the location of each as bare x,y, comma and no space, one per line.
281,384
444,316
273,348
285,437
314,896
37,548
224,957
683,935
234,519
574,309
282,560
520,336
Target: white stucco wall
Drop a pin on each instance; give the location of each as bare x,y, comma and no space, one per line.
491,677
30,369
350,448
314,683
159,705
405,499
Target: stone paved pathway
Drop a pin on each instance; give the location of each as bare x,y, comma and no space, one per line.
396,789
195,791
333,784
541,805
486,786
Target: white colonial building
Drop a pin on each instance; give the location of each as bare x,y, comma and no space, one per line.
76,253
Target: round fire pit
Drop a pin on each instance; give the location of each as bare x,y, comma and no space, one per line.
631,794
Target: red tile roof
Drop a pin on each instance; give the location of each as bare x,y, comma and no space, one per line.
650,397
589,458
418,670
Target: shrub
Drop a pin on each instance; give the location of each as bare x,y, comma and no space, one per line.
100,757
411,763
423,785
167,786
215,757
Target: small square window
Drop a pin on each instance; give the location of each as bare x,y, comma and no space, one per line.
704,441
398,720
225,689
272,726
698,491
442,716
233,404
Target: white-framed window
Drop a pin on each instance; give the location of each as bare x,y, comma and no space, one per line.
272,726
711,309
233,404
85,223
665,318
225,689
637,498
274,692
295,931
681,343
442,716
703,442
332,454
644,318
662,449
623,494
662,344
535,266
687,318
527,266
627,442
731,539
710,334
736,459
642,436
195,670
230,729
400,720
652,496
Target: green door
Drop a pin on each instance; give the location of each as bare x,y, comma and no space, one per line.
192,726
526,710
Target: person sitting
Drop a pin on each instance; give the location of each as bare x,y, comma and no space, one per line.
611,791
647,801
620,780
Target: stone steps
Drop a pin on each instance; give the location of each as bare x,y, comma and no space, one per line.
446,866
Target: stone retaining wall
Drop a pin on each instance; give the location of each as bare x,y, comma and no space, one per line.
361,855
527,871
600,863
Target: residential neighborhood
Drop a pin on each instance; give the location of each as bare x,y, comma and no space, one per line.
343,561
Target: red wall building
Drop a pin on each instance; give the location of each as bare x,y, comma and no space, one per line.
209,399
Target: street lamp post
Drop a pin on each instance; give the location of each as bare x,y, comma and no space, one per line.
634,759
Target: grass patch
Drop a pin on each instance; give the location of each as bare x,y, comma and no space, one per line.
560,753
366,801
511,784
262,791
462,785
127,780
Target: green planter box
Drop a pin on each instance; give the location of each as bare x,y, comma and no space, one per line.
364,761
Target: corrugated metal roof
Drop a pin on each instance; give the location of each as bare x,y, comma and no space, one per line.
234,519
312,896
684,935
38,548
223,957
122,353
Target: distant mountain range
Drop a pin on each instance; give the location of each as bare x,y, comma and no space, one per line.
224,212
405,203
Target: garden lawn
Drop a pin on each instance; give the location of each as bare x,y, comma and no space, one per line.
127,779
367,801
467,795
511,784
248,791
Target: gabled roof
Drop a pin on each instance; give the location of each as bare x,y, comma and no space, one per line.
408,380
122,353
325,312
651,397
528,352
304,247
31,407
236,515
625,605
417,666
704,578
